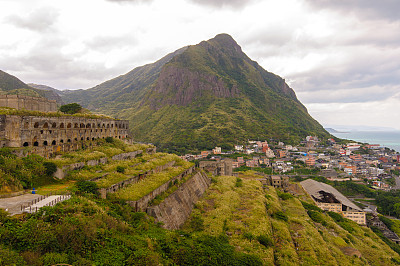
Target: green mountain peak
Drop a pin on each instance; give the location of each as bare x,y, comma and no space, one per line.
201,96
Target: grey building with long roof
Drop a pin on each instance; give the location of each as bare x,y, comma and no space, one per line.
328,198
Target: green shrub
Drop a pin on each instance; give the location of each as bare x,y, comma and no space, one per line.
310,207
51,168
197,223
265,241
120,169
239,182
249,236
336,216
316,217
87,187
71,108
283,195
280,216
54,258
109,139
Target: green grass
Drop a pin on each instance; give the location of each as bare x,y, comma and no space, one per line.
238,212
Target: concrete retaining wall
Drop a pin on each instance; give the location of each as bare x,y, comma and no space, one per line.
127,155
62,172
114,188
142,203
176,208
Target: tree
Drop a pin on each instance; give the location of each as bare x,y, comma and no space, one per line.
71,108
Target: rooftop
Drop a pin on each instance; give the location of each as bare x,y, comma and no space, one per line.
318,191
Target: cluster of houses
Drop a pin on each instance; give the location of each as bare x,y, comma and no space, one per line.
336,161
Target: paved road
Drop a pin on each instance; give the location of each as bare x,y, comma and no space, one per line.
49,201
14,203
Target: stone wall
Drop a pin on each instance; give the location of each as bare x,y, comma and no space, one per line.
177,207
143,203
114,188
28,103
49,135
62,172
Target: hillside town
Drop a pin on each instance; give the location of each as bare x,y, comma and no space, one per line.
371,163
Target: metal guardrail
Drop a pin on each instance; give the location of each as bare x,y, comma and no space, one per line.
51,203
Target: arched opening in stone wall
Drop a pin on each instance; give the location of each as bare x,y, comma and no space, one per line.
26,144
54,125
46,125
53,142
36,144
45,143
61,141
62,125
76,125
112,125
82,125
69,140
93,125
98,125
88,125
26,125
69,125
92,138
36,125
108,125
76,139
103,126
87,138
82,138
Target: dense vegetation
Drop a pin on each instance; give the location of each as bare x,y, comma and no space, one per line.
23,173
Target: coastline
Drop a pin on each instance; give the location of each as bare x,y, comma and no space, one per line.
389,139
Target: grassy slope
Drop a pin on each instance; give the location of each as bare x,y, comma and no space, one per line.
298,240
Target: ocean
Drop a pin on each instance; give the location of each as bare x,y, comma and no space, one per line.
390,139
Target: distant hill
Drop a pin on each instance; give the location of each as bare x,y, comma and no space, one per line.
201,96
49,92
331,130
10,84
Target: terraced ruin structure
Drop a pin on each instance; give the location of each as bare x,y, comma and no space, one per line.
46,133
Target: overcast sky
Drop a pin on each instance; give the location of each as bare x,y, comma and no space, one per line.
341,57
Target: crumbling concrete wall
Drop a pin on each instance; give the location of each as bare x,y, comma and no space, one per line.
126,156
143,203
176,208
114,188
28,103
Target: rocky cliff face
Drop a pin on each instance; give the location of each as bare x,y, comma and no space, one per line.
182,86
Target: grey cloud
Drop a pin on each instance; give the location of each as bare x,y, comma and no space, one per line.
106,43
382,9
46,64
38,20
224,3
130,1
